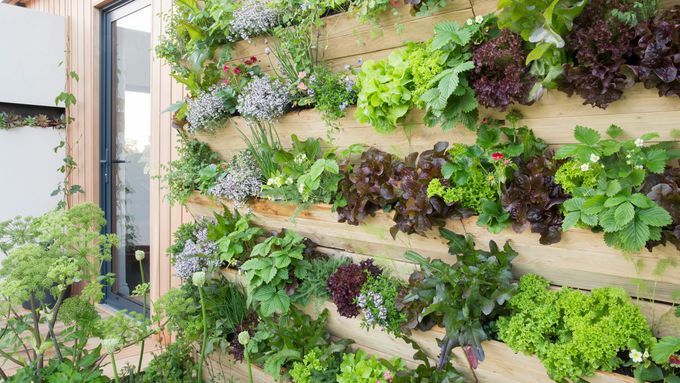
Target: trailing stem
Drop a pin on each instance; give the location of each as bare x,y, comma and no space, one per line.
204,344
141,350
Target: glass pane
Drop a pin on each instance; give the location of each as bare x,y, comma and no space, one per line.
131,135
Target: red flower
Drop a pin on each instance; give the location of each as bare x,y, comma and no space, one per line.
225,68
497,156
253,59
674,361
237,70
248,62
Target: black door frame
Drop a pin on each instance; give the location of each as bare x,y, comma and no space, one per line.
111,13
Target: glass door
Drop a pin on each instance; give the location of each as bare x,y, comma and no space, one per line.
125,143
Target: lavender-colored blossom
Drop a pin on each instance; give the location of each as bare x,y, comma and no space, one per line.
264,99
241,181
255,17
198,255
206,110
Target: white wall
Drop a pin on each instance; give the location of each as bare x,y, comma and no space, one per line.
32,45
28,171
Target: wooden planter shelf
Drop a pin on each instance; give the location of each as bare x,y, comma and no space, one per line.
501,363
581,260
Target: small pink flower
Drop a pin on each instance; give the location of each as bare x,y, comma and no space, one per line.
302,86
302,75
237,70
506,162
225,68
388,376
674,361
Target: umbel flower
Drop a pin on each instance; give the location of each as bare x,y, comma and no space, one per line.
255,17
241,181
264,99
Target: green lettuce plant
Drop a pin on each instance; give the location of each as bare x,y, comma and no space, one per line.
359,367
270,270
628,218
573,333
384,91
317,366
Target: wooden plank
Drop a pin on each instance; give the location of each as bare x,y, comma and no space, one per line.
580,260
500,360
345,27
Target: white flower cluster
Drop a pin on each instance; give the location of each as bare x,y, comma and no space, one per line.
205,110
255,17
241,181
372,299
264,99
199,255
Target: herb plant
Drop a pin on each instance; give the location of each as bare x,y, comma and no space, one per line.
280,342
182,175
573,333
345,285
251,19
313,274
264,98
270,272
333,93
199,253
359,367
464,297
234,236
450,99
241,181
628,217
210,109
377,302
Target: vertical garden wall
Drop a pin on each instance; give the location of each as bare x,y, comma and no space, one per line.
582,190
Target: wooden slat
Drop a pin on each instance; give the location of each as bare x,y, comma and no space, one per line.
580,260
500,362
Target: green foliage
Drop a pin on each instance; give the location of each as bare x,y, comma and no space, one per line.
270,271
463,297
629,218
226,307
384,91
542,23
425,66
573,333
195,42
333,93
317,366
234,235
314,274
296,50
359,367
571,177
306,174
183,176
280,342
85,370
450,99
262,144
174,365
369,11
493,216
184,233
378,303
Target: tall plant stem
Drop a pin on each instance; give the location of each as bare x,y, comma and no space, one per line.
204,344
115,369
36,335
141,349
250,367
53,321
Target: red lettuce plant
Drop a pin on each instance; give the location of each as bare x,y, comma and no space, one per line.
658,52
500,76
415,212
534,199
345,285
664,189
601,44
366,186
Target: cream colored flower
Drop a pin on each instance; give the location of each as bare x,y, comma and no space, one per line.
635,356
479,19
198,278
140,255
585,167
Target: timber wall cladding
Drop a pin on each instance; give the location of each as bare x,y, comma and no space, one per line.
581,260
